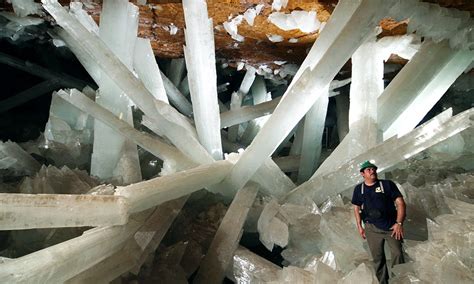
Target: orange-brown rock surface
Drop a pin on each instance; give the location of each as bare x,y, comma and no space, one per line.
156,17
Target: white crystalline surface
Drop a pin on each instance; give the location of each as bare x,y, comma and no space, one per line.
251,13
278,4
275,38
25,7
200,60
231,27
226,240
315,73
113,157
13,157
305,21
431,163
29,211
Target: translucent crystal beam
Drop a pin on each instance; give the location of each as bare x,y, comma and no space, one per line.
385,155
175,71
113,157
136,249
30,211
226,240
237,98
419,85
60,262
247,113
146,194
200,61
152,144
342,114
259,95
145,65
176,97
367,85
235,104
278,185
349,25
170,122
249,267
314,123
87,46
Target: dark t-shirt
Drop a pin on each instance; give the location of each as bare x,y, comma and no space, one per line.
378,204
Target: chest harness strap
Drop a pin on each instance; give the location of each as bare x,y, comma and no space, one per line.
362,187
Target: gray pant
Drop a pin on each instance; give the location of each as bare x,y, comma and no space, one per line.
376,239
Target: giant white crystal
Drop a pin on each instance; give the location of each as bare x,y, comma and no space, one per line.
200,61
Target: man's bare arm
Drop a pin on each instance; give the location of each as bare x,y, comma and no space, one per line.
401,213
359,221
401,209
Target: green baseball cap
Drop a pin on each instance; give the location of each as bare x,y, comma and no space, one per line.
367,164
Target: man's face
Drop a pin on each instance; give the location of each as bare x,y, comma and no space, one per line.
369,174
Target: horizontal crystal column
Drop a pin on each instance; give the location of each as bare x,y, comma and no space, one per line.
29,211
385,155
60,262
144,195
247,113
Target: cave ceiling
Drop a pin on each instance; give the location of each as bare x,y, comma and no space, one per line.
159,17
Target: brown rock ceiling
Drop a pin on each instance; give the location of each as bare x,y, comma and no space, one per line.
157,15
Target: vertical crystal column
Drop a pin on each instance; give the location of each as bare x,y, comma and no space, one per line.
176,70
350,24
419,85
260,95
342,109
87,46
200,61
366,87
113,157
312,137
237,98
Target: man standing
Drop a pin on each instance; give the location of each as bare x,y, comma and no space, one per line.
374,204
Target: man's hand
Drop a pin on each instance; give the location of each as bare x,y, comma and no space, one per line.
397,231
362,232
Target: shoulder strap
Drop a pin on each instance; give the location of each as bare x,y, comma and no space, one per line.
362,188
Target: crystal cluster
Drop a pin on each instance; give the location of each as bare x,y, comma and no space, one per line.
64,226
